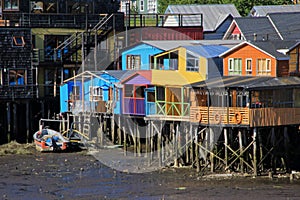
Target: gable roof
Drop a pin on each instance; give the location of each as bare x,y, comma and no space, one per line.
253,28
257,11
139,77
213,14
287,24
270,48
207,51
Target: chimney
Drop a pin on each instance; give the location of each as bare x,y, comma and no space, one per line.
254,37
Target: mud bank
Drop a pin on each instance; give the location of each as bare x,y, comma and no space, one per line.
80,176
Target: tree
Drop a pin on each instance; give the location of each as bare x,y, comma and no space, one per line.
243,6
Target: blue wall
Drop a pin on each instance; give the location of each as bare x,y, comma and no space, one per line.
145,51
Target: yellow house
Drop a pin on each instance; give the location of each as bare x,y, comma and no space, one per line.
193,62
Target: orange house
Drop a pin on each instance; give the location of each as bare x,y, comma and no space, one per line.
264,58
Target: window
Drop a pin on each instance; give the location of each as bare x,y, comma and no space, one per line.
11,4
173,64
128,91
264,67
96,93
18,41
1,77
17,77
235,66
192,63
248,66
133,62
141,5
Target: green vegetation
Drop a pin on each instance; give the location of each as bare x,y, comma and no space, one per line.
243,6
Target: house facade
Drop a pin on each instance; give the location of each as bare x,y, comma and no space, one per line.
256,59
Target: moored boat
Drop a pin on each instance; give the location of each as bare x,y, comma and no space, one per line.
50,140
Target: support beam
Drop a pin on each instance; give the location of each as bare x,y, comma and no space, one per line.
254,152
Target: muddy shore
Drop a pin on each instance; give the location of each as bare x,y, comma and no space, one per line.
78,175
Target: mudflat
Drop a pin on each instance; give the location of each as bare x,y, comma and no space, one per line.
77,175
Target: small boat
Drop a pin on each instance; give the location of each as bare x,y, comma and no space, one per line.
50,140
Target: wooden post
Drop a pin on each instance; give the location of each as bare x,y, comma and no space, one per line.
241,150
139,145
211,137
159,147
187,156
119,130
151,140
286,149
124,141
254,152
176,164
27,121
134,137
15,122
225,147
197,151
112,128
260,141
100,131
192,143
273,158
8,112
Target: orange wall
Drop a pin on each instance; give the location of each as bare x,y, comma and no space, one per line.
245,52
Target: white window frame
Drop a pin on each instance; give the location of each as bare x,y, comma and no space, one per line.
265,70
248,70
142,5
192,62
231,66
96,93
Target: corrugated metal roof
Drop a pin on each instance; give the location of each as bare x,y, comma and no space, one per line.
260,26
287,24
167,45
207,51
267,9
278,82
213,14
120,74
229,82
249,83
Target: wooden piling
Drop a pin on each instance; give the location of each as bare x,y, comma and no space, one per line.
254,152
225,148
241,150
119,130
112,128
197,151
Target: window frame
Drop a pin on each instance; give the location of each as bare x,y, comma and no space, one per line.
232,63
11,7
16,43
192,62
142,5
132,60
247,69
96,93
16,80
263,70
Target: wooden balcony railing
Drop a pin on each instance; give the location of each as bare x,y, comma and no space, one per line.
254,117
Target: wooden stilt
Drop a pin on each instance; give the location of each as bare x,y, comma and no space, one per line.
286,149
112,129
15,122
197,151
27,121
225,148
139,145
124,139
241,150
260,141
119,130
211,137
192,143
254,152
159,147
186,132
151,140
273,142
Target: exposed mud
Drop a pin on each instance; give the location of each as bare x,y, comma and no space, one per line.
80,176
